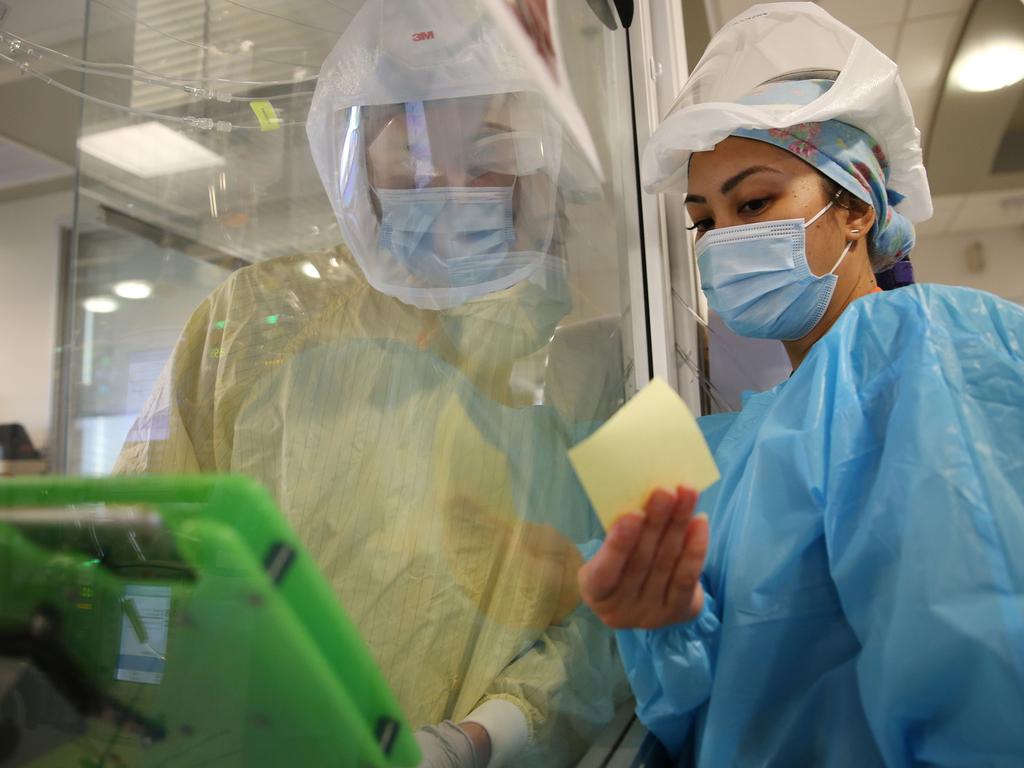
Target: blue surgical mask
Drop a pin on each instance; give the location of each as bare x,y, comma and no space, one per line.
757,279
448,236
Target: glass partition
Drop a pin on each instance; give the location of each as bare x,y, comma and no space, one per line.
132,294
220,322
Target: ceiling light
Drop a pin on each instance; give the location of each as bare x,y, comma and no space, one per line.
100,305
134,289
309,270
149,150
990,68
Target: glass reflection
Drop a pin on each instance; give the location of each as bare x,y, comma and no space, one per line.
412,431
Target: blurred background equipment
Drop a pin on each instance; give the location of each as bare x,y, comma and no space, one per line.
17,454
157,621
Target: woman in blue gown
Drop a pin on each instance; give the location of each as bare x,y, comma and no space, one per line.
853,594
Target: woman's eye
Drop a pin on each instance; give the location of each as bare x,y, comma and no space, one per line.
754,206
703,225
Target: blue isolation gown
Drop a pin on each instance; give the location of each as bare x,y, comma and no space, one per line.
866,569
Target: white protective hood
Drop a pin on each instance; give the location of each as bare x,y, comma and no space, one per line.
772,40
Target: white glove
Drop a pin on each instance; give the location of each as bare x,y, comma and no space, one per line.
445,745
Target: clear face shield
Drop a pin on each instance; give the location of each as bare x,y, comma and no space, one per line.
446,200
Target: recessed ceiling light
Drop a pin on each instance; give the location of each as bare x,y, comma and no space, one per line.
100,305
134,289
149,150
990,68
310,270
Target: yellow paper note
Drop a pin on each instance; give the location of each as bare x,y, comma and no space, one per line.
266,114
652,441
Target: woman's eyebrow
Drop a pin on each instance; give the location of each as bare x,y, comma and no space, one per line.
730,184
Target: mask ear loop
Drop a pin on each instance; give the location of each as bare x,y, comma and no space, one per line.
819,214
846,250
824,210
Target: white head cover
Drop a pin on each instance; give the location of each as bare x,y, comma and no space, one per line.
769,41
395,51
430,86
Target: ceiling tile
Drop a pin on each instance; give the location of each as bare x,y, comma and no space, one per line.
727,9
883,37
920,8
945,207
985,211
924,51
21,165
48,22
866,13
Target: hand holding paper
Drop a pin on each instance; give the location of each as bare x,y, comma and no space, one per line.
652,442
647,572
649,458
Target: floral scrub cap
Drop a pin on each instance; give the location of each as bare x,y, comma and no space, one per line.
853,160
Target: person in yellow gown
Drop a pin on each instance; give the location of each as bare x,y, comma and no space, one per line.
373,390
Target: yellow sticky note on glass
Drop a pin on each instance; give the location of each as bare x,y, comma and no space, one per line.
652,441
266,114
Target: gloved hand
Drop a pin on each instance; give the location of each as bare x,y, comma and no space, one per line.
445,745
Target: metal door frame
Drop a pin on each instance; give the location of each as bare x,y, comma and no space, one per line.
664,282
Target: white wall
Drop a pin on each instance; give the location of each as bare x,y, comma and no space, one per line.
29,260
943,259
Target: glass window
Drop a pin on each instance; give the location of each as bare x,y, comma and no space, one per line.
222,321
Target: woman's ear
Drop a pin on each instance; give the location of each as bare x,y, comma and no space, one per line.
860,217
